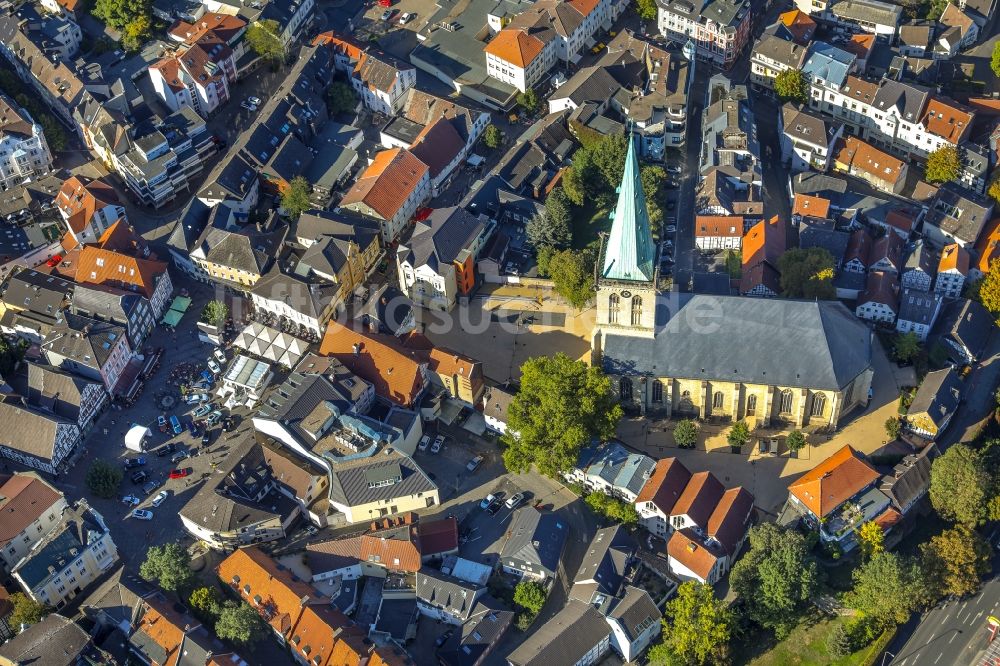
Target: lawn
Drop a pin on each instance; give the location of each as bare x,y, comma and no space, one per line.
805,646
589,221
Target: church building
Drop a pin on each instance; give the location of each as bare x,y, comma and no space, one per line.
769,361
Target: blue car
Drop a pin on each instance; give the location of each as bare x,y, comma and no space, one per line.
175,425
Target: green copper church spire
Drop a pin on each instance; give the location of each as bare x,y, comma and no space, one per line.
629,253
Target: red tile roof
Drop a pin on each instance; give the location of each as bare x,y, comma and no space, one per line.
396,375
164,626
97,266
731,518
858,155
947,119
438,536
988,246
224,25
387,183
901,219
687,548
834,481
810,206
859,246
665,485
711,226
699,499
515,46
881,287
79,198
437,145
317,636
954,257
23,498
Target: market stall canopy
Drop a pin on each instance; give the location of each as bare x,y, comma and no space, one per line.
135,437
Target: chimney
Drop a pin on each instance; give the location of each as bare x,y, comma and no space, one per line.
357,348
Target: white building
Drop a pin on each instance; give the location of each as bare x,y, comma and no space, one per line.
31,437
88,207
24,154
917,312
871,16
952,271
198,77
31,509
807,140
719,29
380,80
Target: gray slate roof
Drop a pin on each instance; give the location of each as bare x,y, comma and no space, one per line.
908,100
30,430
919,307
959,212
439,590
445,234
55,641
938,396
480,633
967,323
635,612
563,640
350,480
604,564
534,539
78,530
822,345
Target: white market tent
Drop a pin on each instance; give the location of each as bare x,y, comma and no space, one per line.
135,437
271,344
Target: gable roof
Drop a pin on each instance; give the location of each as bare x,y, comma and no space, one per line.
565,639
665,485
395,375
695,553
23,499
55,641
938,396
811,206
699,499
535,539
713,226
946,118
954,257
443,238
731,518
99,266
80,198
834,481
865,157
387,183
437,145
515,46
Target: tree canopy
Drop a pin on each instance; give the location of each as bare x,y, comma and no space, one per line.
807,273
994,188
215,313
492,136
653,180
529,100
887,589
168,566
791,85
561,406
988,291
295,199
240,623
686,434
776,577
136,32
340,98
530,596
613,509
572,276
995,59
119,13
697,628
206,603
26,611
906,346
960,486
647,10
956,561
597,168
796,440
103,478
943,165
554,227
264,39
871,538
738,435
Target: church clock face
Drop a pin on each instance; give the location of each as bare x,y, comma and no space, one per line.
626,294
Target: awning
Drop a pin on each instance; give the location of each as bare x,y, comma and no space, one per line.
134,437
181,304
172,317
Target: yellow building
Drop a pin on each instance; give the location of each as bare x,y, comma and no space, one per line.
804,363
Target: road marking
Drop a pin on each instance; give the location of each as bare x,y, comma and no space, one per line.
939,658
952,637
944,617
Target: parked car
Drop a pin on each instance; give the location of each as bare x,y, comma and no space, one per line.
161,421
201,411
487,501
443,638
192,399
424,442
150,486
674,169
406,17
160,498
671,228
438,443
214,418
175,425
170,447
213,366
132,463
474,463
139,477
494,506
387,14
179,456
254,100
514,500
180,473
219,355
206,439
311,530
248,106
140,514
227,424
131,500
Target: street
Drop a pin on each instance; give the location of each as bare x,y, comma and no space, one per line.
953,633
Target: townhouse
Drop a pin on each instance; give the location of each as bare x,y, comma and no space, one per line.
234,257
956,216
381,81
32,509
987,248
863,160
547,32
62,394
199,76
111,304
390,190
872,16
69,558
533,545
934,404
918,310
952,271
24,153
771,55
718,232
437,267
719,29
879,302
94,349
161,632
54,641
613,470
807,139
963,328
763,245
36,438
88,208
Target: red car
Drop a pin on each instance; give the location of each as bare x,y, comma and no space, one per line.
180,473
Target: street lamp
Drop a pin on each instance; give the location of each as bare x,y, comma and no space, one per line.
887,654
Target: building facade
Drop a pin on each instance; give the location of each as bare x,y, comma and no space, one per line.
24,153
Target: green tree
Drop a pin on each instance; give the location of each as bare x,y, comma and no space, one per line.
136,32
653,178
492,136
528,100
935,8
995,59
215,313
807,273
295,199
698,627
553,228
738,435
609,157
839,642
340,98
572,276
960,487
26,611
906,346
10,355
119,13
893,426
615,510
544,255
530,596
647,10
795,441
887,589
240,623
562,405
987,291
791,85
103,478
956,561
871,538
994,189
777,576
581,181
169,566
206,602
55,133
942,165
264,39
686,434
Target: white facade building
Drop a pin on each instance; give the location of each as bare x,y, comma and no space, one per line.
24,153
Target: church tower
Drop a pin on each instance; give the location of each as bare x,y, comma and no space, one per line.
627,271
